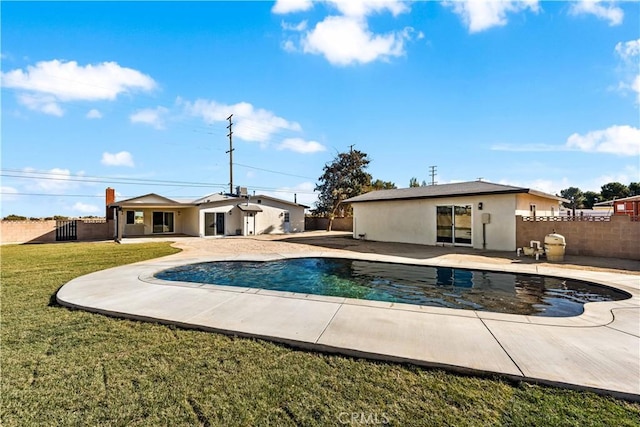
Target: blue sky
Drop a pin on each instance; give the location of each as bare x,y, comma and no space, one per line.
134,95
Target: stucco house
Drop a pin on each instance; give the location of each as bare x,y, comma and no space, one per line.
208,216
475,214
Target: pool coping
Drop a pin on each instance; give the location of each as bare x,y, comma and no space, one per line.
598,350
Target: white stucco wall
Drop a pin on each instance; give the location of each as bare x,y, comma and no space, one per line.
269,221
414,221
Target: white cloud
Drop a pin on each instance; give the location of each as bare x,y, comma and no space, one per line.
480,15
625,175
94,114
629,52
301,26
603,10
620,140
344,40
85,208
289,46
249,123
291,6
6,194
54,180
304,193
299,145
44,103
635,86
151,116
549,186
123,158
43,86
361,8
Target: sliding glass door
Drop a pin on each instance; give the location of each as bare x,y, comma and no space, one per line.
163,222
453,224
444,222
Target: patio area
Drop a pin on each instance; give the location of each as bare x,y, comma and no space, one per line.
598,350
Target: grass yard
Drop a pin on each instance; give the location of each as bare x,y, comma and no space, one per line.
69,367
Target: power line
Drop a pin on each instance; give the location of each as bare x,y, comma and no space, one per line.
272,171
57,176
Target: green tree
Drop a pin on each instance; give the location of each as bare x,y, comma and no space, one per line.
379,184
634,189
343,178
575,197
614,190
591,198
413,182
14,217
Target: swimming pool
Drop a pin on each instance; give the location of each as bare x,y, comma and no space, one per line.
403,283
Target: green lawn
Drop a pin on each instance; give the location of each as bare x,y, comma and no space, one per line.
62,367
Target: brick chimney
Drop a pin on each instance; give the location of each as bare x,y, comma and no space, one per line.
110,197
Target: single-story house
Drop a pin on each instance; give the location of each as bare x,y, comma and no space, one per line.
623,206
212,215
476,214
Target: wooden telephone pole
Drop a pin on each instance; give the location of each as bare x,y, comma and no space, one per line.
230,127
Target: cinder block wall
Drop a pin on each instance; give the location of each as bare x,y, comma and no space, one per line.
618,238
45,231
319,223
27,231
95,230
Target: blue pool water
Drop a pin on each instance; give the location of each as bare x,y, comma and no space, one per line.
432,286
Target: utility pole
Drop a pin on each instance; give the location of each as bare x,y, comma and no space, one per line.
433,172
230,154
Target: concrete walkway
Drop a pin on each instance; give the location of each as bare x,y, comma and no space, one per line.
598,350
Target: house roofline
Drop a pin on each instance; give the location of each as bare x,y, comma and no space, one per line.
444,196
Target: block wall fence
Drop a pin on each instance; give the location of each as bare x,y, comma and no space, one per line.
45,231
614,237
319,223
617,236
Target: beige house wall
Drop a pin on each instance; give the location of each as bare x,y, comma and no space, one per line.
180,221
269,221
544,206
414,221
232,219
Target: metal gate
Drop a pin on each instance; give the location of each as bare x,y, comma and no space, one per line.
66,230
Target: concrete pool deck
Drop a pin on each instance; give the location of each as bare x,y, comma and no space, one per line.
598,350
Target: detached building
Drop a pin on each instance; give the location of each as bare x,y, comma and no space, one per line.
475,214
625,206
